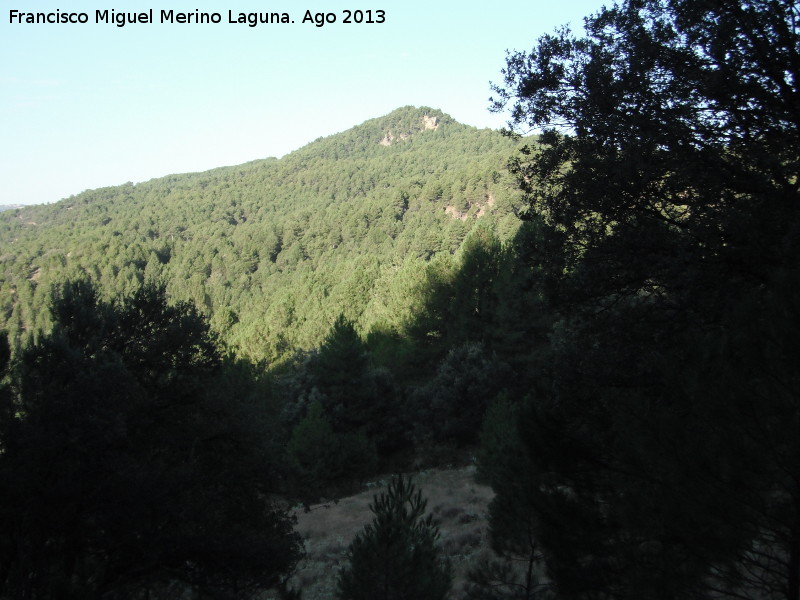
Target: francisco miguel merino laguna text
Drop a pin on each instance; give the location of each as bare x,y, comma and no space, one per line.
120,19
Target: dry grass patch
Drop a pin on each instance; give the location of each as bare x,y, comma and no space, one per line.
455,499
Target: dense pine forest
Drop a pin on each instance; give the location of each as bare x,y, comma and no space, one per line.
603,317
273,251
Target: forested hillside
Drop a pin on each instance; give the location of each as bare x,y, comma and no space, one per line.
610,330
274,250
189,355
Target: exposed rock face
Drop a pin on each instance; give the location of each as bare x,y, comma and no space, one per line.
428,122
454,213
484,205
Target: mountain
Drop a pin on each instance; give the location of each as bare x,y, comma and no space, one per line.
274,250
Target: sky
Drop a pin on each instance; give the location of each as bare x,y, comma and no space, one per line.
90,105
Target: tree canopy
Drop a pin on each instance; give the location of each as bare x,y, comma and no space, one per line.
667,169
677,123
126,469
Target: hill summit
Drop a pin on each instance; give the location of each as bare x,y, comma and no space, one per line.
406,122
401,125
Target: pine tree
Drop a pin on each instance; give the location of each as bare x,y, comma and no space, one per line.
395,557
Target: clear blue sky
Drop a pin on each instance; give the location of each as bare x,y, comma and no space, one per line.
86,106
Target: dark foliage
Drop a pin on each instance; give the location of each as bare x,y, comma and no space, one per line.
679,123
664,455
516,572
324,462
126,471
457,397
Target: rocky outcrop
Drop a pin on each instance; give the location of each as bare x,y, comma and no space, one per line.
428,123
